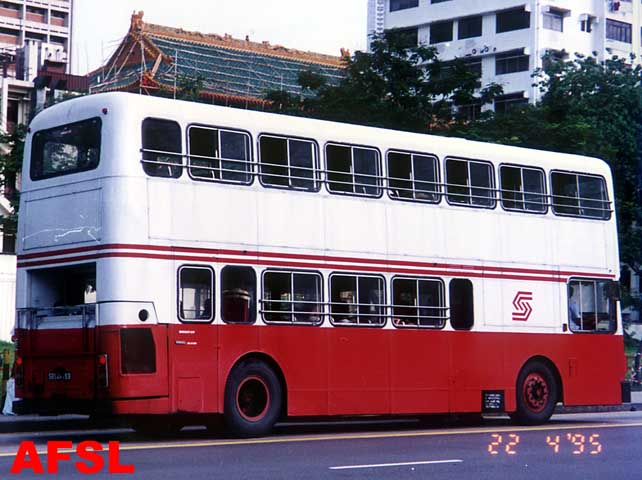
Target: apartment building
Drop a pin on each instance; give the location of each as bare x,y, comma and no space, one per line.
504,40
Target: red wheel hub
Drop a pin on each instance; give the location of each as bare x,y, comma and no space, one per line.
253,398
535,392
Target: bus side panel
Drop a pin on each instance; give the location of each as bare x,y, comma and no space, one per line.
359,371
419,371
476,363
593,373
193,356
135,385
302,354
585,363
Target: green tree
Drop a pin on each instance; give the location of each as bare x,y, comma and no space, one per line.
393,86
12,148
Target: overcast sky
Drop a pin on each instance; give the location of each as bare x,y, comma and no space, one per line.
324,26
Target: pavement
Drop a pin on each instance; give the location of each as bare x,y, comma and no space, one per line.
36,423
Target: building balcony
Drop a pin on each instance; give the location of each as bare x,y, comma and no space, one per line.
36,17
9,12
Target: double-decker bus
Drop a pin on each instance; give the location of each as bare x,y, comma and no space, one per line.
189,261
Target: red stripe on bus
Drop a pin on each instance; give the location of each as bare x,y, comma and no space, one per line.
279,263
293,256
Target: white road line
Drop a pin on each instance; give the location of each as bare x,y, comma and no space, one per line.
402,464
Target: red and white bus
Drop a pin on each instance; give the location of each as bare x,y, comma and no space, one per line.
178,258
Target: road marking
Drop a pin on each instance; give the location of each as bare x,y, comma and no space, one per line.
362,436
401,464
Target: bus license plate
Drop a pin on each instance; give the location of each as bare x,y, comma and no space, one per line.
59,376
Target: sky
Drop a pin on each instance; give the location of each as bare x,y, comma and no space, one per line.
323,26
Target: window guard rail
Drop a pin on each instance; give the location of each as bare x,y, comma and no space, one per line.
492,194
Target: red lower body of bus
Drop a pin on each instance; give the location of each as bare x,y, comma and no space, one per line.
323,371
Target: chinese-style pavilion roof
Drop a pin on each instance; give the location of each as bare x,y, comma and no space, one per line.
233,71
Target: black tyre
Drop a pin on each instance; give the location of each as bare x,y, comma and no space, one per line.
537,394
253,399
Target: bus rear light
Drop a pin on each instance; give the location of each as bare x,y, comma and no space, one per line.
102,375
19,372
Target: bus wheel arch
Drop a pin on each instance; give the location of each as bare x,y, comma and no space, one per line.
255,395
538,388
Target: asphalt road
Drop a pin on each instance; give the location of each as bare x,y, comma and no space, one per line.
591,446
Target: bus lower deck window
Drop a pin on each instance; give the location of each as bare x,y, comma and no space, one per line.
238,294
418,303
462,311
195,289
357,300
592,306
292,297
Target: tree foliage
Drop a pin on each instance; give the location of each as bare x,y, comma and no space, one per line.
393,86
10,168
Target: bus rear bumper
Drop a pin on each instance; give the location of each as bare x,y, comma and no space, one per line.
62,406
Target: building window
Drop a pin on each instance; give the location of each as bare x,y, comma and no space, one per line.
357,300
618,31
553,20
418,303
522,189
471,111
592,306
505,103
217,154
511,62
162,149
470,182
288,162
238,294
469,27
292,297
404,37
353,170
65,150
474,65
580,195
441,32
513,19
586,24
413,176
402,4
195,287
462,309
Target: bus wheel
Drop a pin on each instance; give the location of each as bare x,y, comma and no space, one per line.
537,393
253,397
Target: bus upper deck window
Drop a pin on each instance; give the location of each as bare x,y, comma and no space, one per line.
580,195
219,155
470,182
66,149
353,170
162,151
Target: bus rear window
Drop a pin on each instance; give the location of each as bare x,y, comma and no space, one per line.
66,149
